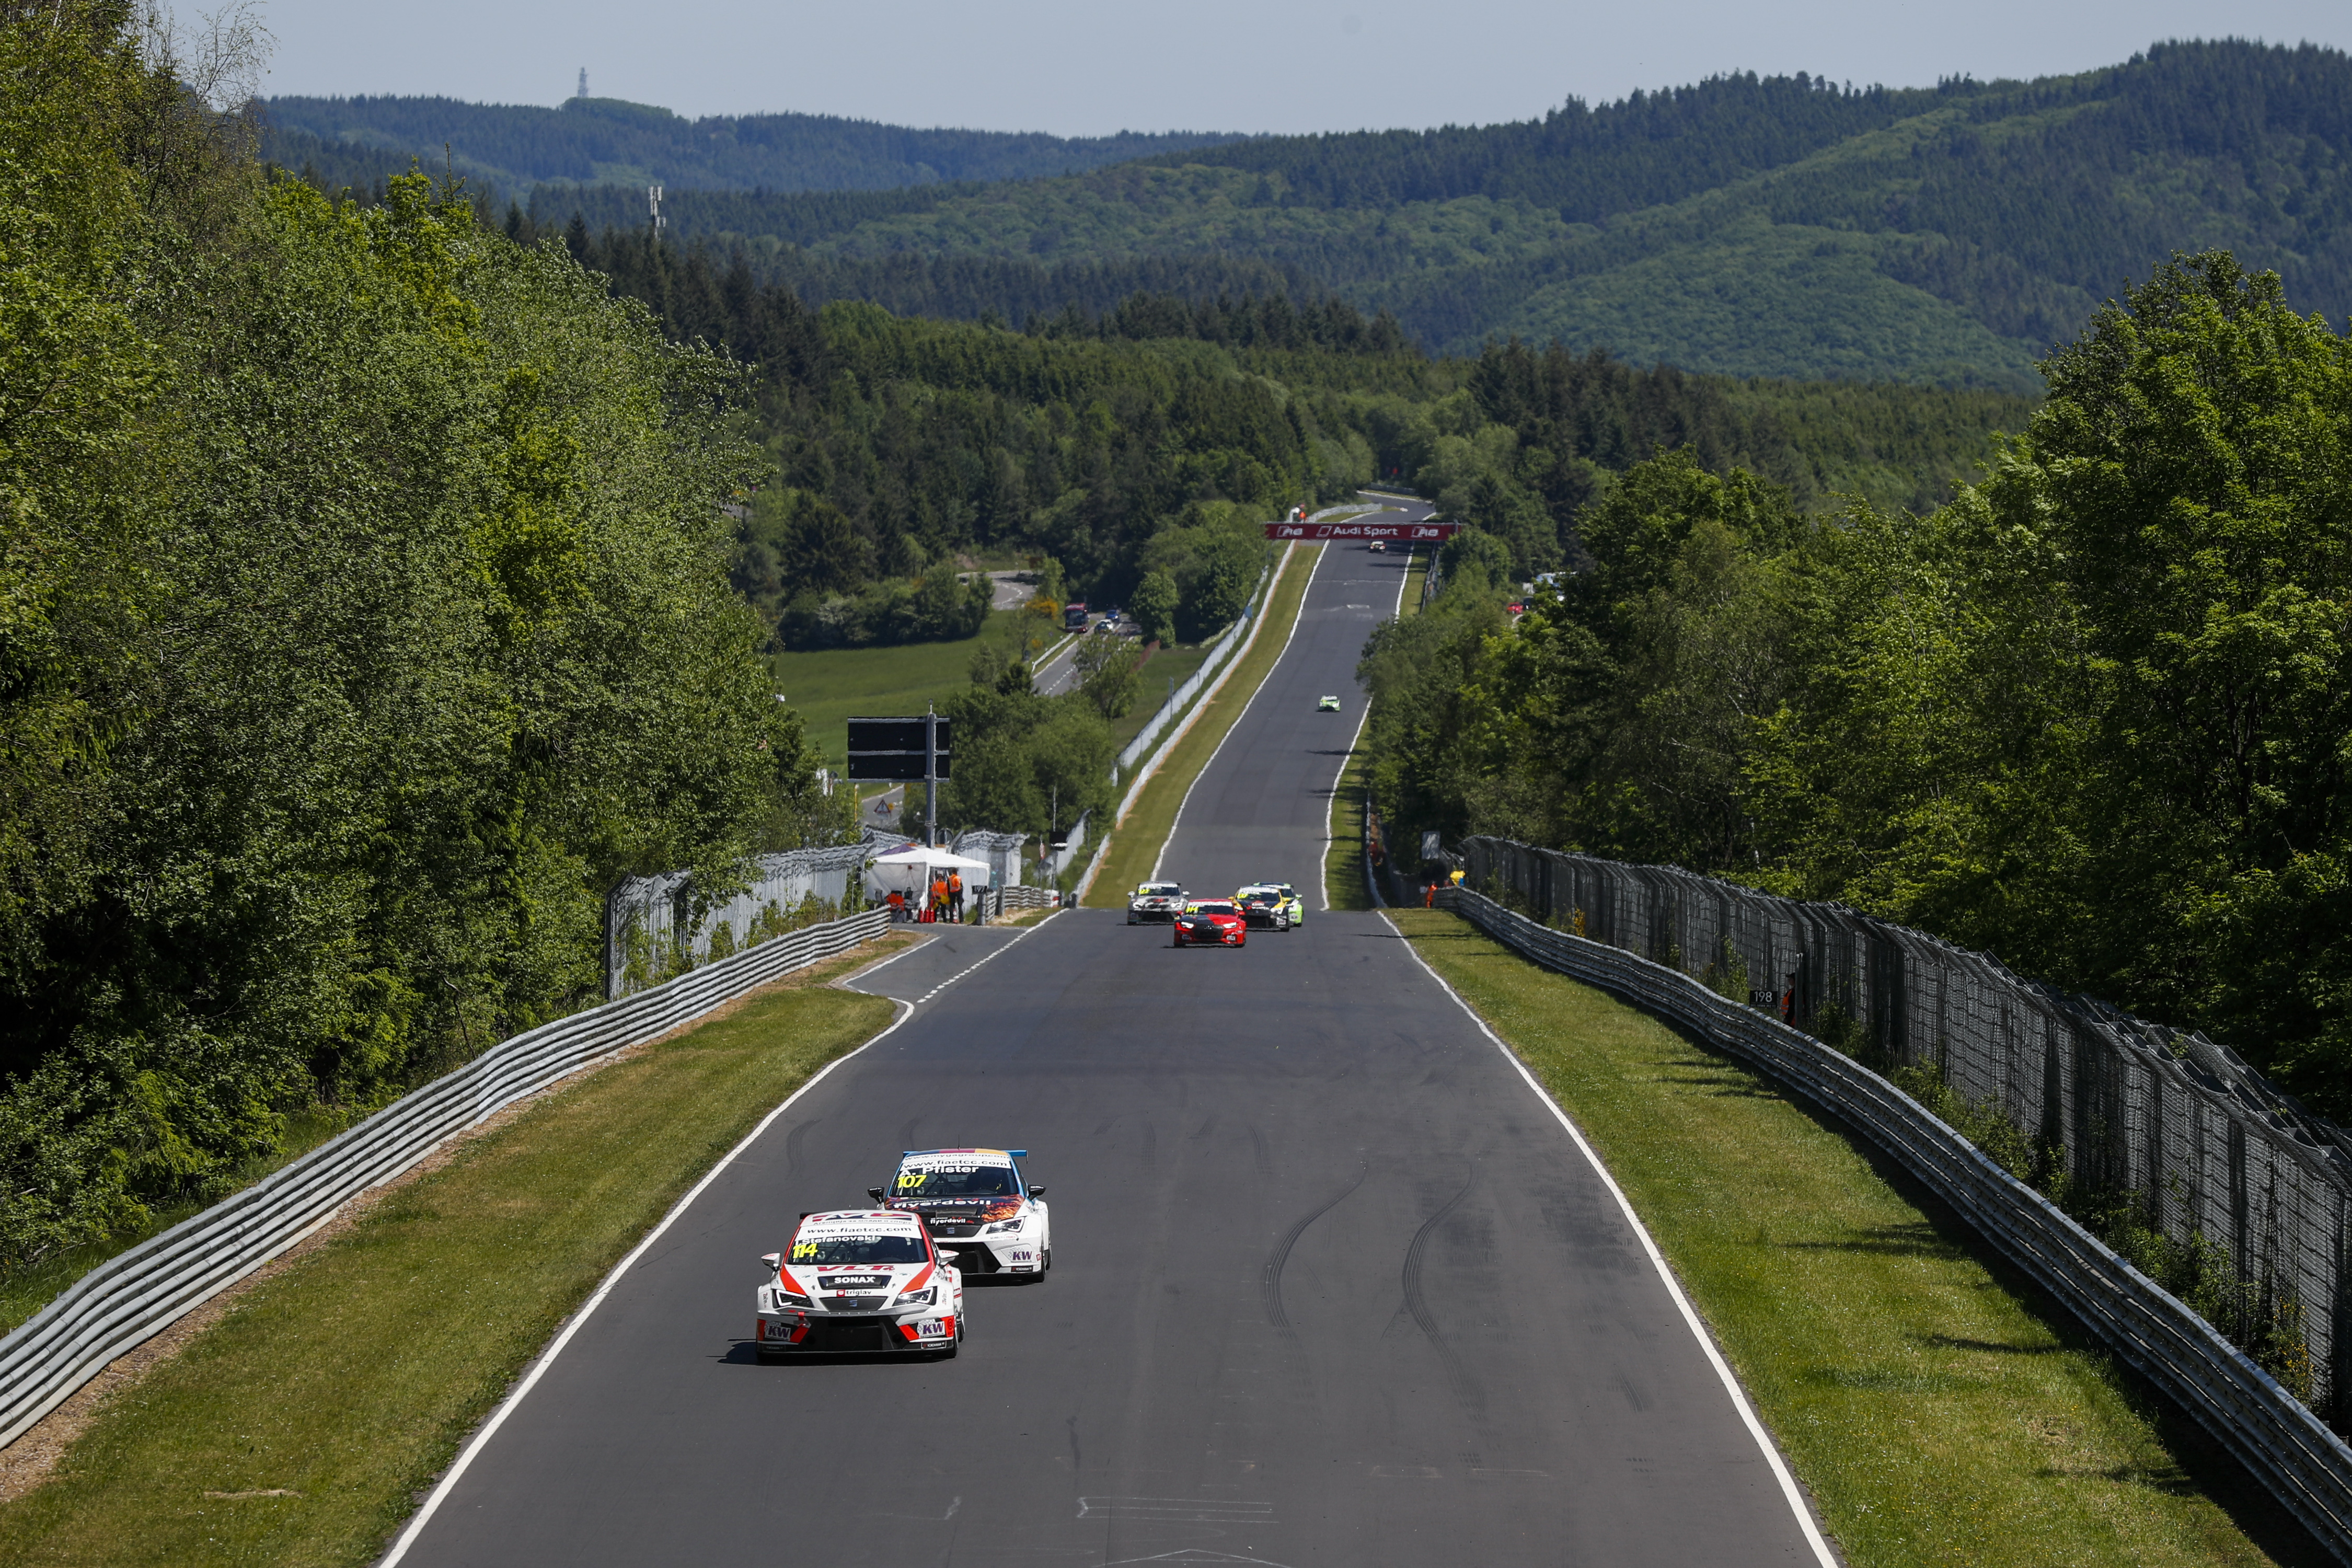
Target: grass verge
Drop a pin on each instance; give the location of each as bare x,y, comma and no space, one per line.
1416,574
1134,842
1343,859
300,1428
1940,1408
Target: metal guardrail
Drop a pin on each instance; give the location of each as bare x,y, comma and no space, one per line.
1228,641
2306,1467
137,1294
2164,1125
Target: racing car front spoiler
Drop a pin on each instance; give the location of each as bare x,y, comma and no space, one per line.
820,1333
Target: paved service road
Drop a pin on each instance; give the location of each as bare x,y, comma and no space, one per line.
1331,1285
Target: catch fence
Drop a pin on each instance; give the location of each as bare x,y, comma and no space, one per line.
2304,1467
2124,1115
652,929
1001,850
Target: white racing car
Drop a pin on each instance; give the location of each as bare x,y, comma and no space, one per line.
974,1200
1154,903
860,1280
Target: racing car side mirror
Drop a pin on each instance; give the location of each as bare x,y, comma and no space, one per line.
775,1261
1036,1192
874,1193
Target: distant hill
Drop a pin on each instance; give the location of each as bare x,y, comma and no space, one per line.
607,141
1747,226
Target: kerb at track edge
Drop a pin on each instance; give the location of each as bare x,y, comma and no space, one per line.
490,1428
1781,1472
1178,820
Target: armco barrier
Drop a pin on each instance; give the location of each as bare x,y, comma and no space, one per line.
2307,1467
130,1298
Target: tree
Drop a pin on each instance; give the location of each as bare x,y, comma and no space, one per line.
2187,472
1108,677
1153,606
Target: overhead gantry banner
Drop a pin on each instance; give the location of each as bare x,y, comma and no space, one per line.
1412,533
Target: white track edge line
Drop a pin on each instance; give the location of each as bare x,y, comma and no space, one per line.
1331,812
1022,935
488,1430
860,974
1781,1472
1178,820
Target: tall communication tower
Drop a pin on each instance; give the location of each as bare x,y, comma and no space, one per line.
583,81
653,200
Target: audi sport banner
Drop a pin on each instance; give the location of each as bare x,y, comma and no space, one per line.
1410,532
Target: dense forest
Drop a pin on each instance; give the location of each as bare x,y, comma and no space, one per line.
1745,225
367,615
2088,716
1123,441
608,140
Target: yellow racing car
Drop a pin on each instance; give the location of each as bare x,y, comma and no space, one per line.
1274,904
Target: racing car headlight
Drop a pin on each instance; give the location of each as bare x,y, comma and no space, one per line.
789,1298
1007,1227
923,1298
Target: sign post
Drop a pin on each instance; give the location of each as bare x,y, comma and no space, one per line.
906,750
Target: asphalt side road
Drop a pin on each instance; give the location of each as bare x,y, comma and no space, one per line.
1332,1284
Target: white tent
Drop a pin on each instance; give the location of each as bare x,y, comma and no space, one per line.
911,870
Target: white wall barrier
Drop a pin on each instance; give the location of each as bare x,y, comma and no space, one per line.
137,1294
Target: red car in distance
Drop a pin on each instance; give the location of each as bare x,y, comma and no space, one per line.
1217,923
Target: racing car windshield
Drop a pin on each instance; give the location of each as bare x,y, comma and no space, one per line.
956,1182
823,1251
1158,890
1214,909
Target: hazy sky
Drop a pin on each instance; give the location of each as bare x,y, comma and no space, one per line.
1209,65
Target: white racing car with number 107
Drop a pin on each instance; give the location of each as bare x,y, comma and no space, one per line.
974,1201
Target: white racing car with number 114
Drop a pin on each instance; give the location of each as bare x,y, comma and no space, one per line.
860,1280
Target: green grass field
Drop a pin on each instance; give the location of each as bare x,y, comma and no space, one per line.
1940,1409
302,1428
831,686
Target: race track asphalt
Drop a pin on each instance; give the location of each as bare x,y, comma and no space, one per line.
1331,1285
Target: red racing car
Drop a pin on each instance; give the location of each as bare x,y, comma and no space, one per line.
1212,923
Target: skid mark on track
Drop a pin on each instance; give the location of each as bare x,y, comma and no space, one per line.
1264,1156
907,1132
1206,1128
792,1144
1270,1280
1474,1402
